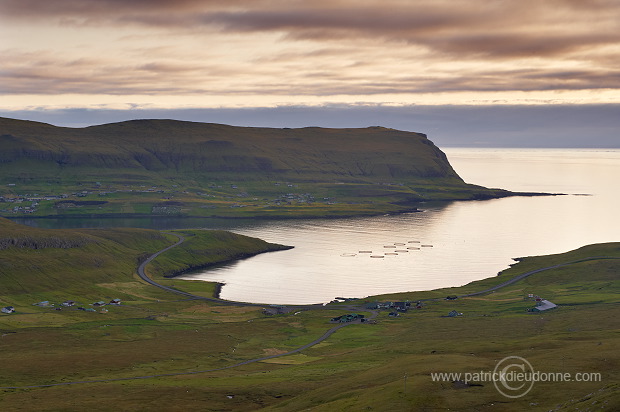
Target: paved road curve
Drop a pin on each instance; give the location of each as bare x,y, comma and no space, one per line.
146,278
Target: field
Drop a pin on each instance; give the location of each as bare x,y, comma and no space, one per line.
382,365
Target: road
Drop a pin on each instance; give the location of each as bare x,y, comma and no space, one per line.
374,314
146,278
531,272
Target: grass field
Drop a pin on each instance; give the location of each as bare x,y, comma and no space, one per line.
360,367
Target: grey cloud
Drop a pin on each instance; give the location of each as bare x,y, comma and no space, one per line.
446,30
46,73
477,27
502,45
94,8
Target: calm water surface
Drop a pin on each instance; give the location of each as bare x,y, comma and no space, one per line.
470,240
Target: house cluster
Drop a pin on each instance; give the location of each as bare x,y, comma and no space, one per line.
27,203
72,303
19,204
290,198
541,304
350,317
395,306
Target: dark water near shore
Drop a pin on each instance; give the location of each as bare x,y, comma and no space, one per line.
470,240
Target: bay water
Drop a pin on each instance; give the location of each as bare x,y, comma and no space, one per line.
447,244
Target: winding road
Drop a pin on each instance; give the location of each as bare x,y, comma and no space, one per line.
531,272
146,278
327,334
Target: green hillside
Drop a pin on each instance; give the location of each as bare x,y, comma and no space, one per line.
164,167
178,354
43,264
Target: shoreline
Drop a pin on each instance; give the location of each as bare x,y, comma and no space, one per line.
218,285
501,284
405,209
275,248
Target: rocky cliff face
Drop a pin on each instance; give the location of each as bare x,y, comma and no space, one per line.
207,150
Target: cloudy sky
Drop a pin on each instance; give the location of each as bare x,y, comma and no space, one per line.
406,63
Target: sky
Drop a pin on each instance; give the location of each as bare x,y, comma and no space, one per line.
466,72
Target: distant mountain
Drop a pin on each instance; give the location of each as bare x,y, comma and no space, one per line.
203,155
164,146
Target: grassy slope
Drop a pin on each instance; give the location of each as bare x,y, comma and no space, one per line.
359,367
210,169
205,248
77,263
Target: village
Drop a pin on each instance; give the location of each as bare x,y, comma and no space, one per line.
12,203
69,304
395,308
398,308
29,203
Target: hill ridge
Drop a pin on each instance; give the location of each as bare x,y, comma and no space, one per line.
377,165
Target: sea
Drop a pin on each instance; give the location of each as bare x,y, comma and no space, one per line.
446,244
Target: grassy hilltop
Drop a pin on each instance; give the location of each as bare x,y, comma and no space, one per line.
359,367
166,167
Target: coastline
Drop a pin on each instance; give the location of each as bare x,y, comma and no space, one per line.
491,283
404,207
192,268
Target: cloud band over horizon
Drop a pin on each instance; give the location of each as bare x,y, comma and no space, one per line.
265,53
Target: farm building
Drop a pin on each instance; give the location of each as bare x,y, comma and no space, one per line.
454,313
8,309
542,305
